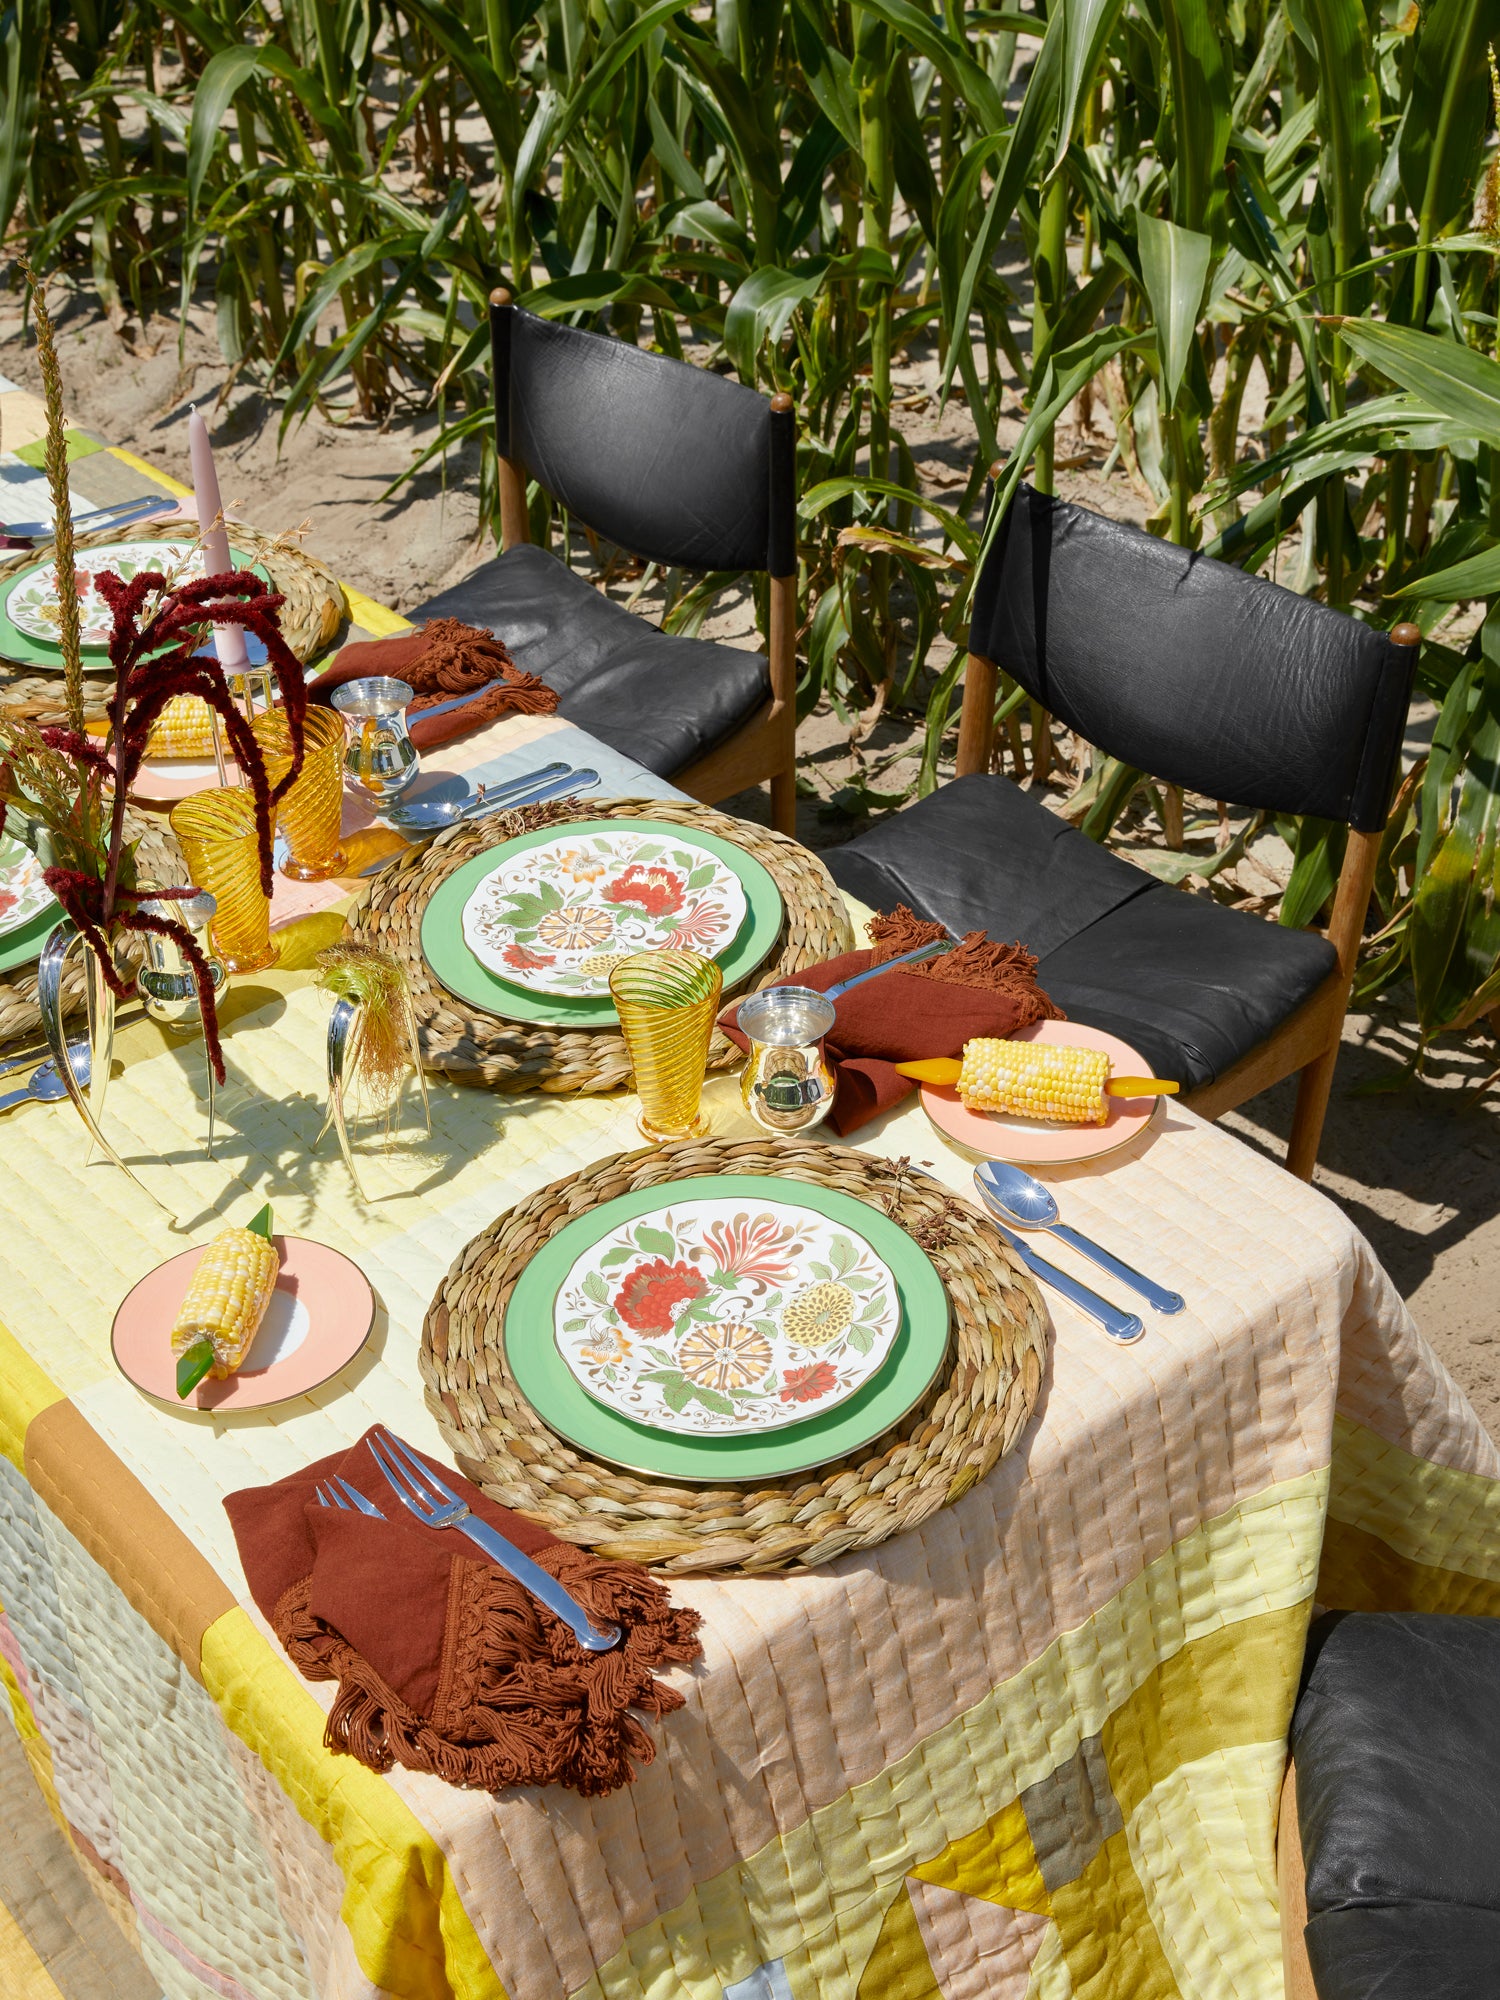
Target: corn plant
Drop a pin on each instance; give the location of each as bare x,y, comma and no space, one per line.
1219,207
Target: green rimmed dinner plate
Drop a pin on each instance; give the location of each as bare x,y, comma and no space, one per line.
455,967
20,647
545,1380
24,946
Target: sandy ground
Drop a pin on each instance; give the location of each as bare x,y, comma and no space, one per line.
1417,1167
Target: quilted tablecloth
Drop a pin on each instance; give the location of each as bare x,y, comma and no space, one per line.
1031,1748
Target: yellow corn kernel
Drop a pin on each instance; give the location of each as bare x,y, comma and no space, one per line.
227,1298
185,728
1034,1080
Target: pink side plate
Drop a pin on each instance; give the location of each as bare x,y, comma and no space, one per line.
318,1319
1025,1142
162,781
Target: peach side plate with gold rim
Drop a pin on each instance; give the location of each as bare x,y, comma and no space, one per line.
319,1318
1029,1142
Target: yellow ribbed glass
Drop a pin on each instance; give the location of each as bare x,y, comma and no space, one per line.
666,1001
216,830
311,815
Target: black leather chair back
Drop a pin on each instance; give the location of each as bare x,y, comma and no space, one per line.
1190,669
673,463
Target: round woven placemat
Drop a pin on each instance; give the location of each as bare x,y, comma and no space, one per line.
159,863
971,1416
480,1048
311,619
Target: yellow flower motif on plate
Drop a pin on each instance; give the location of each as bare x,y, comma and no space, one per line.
818,1315
575,930
582,866
724,1357
605,1348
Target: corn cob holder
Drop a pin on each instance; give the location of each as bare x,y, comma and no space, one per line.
225,1303
1069,1086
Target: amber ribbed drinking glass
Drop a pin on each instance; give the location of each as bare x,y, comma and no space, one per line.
311,814
666,1001
216,831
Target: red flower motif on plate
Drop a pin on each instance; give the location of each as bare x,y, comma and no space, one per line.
524,960
657,891
655,1292
755,1249
808,1385
697,927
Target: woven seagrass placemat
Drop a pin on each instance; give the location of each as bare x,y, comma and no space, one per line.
311,618
480,1048
971,1416
159,863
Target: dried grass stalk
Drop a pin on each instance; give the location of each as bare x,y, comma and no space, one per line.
62,504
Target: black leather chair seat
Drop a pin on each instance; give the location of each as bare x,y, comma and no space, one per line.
1194,986
1396,1738
664,701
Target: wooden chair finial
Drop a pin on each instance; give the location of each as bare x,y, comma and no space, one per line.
500,296
782,402
1406,635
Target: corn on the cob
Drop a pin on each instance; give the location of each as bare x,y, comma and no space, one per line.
185,728
225,1305
1035,1080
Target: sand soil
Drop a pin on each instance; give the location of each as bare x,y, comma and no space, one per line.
1417,1166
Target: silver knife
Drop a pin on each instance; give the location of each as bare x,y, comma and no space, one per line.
1123,1327
101,517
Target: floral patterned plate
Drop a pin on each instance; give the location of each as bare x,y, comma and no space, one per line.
455,967
23,893
714,1316
32,603
555,918
542,1375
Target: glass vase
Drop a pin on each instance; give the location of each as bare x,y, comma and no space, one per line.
667,1001
83,1067
216,830
310,817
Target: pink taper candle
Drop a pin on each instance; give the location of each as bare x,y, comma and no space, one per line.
229,640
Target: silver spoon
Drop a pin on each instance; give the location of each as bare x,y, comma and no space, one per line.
434,814
46,1085
1025,1201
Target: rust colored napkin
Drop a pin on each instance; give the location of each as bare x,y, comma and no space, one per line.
978,988
445,1663
438,661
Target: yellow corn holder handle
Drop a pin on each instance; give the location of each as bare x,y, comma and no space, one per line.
945,1070
194,1363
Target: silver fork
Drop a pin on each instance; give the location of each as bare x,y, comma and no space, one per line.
332,1495
422,1493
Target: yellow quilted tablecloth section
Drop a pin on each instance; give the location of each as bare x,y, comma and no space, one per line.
1030,1748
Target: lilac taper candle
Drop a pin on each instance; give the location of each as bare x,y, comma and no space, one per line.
229,640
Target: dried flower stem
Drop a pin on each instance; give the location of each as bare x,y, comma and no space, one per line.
62,504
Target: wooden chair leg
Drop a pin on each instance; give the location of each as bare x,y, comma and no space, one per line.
1291,1878
1314,1086
782,651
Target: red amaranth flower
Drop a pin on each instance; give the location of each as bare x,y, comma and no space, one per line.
153,663
655,1292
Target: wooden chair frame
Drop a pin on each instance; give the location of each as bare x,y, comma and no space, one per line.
1291,1881
1307,1042
764,747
